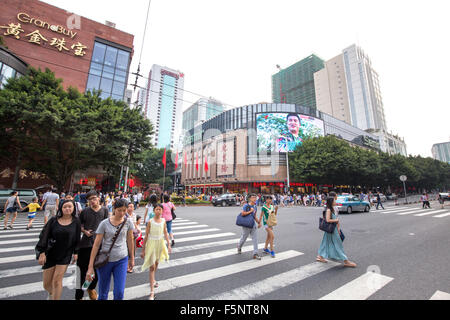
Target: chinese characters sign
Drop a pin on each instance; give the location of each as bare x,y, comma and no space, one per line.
35,37
225,158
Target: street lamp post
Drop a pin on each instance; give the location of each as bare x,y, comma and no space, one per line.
403,179
283,99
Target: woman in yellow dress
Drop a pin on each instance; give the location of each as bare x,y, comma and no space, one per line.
154,249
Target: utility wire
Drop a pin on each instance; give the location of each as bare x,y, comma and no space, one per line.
127,72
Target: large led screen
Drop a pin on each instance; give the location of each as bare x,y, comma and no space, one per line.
283,132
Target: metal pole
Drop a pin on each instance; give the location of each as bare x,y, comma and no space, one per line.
404,188
121,173
287,166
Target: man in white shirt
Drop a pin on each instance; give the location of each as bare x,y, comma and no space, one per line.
51,203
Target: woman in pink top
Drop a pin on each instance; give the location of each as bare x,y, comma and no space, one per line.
167,215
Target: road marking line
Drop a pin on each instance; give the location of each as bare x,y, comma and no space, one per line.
399,210
197,231
428,213
440,295
15,249
268,285
190,227
202,276
209,236
37,269
359,289
19,241
442,215
408,212
17,258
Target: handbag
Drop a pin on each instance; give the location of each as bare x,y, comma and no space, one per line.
326,226
246,221
174,216
45,243
102,257
272,219
341,234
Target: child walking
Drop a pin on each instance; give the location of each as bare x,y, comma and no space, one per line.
266,210
32,208
154,249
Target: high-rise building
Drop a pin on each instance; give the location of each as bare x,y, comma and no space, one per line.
348,88
295,84
441,151
363,88
163,105
203,109
331,89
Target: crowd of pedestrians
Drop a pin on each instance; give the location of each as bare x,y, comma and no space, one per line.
83,227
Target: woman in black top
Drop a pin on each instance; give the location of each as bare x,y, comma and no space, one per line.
57,246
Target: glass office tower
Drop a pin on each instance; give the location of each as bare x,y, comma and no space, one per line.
295,84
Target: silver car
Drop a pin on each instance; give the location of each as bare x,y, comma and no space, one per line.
25,196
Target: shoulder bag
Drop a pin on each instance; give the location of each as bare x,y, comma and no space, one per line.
246,221
102,258
272,219
45,242
326,226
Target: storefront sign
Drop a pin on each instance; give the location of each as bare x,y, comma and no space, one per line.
225,157
37,38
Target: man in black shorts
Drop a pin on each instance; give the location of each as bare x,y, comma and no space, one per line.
90,218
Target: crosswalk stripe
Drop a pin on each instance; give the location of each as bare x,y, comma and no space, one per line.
208,236
37,269
394,209
190,227
268,285
202,276
428,213
17,258
18,241
15,249
408,212
204,257
397,210
359,289
440,295
442,215
17,290
196,231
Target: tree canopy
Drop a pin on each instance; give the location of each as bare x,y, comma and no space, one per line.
56,131
330,160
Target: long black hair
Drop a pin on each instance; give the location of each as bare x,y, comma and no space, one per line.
59,214
329,205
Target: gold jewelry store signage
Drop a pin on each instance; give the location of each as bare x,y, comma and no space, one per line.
36,37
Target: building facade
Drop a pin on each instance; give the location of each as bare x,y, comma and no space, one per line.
163,105
295,84
221,154
84,53
363,88
441,151
203,109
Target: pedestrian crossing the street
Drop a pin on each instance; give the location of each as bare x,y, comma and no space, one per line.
203,256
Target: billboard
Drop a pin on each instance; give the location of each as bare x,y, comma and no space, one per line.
225,157
283,132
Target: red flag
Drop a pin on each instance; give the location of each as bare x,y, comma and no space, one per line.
196,163
206,163
176,161
164,158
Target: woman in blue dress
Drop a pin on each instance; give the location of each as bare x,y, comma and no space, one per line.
331,246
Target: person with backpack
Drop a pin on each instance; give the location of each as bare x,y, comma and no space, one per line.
11,206
250,208
331,246
268,213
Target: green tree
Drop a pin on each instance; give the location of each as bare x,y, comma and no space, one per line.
151,169
56,132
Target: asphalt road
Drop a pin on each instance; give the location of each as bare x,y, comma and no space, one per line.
407,256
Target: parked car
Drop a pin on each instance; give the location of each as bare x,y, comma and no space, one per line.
25,196
444,196
392,196
382,197
352,203
226,199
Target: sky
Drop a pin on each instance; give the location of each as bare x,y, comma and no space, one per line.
229,49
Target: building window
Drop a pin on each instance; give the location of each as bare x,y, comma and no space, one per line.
108,71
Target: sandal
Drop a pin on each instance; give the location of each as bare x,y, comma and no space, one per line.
150,296
156,285
321,260
350,265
